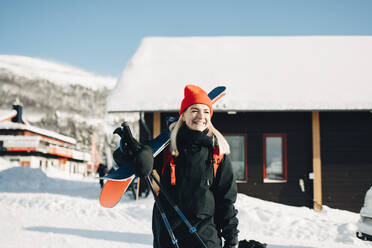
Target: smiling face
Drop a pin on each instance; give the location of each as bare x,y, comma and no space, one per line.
197,117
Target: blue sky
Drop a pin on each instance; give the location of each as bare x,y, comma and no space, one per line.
101,36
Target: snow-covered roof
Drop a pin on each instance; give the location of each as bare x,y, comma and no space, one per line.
6,114
14,125
261,73
36,69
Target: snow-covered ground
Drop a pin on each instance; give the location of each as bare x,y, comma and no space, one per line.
48,209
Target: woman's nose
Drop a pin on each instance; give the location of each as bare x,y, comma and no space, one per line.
200,115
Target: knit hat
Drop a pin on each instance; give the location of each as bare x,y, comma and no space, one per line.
195,95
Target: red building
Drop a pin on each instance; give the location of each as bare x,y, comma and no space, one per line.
27,145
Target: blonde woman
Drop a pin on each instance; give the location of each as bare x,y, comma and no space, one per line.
205,196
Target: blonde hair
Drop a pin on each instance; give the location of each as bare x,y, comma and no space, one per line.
212,131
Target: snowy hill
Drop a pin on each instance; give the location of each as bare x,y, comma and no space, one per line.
45,209
57,73
57,97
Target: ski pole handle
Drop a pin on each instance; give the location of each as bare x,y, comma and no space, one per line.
133,144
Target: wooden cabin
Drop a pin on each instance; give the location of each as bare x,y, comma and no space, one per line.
297,113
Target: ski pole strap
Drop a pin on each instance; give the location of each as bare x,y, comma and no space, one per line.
216,160
173,171
170,161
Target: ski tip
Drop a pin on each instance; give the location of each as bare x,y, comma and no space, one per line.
215,94
218,98
220,88
112,192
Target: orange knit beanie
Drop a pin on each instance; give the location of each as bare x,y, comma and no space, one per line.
195,95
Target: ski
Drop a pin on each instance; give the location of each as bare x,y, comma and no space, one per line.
112,191
119,180
125,171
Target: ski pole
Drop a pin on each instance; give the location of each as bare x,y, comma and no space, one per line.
191,228
162,213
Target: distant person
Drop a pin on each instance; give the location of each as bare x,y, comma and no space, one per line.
101,171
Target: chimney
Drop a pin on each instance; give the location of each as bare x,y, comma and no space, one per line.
18,117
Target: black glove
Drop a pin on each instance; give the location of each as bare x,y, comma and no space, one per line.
251,244
143,162
231,242
133,152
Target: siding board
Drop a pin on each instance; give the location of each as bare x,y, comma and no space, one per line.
347,158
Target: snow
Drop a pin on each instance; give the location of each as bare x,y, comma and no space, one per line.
365,223
14,126
56,72
50,209
5,114
261,73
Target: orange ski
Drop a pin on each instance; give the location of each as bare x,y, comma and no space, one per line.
112,192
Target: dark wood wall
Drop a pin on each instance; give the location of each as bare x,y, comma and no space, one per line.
346,145
297,126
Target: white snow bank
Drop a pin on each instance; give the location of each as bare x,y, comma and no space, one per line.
39,211
29,180
279,224
5,164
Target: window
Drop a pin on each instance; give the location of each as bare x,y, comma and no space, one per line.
275,157
26,163
237,144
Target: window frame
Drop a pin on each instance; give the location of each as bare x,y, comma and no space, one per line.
284,158
245,155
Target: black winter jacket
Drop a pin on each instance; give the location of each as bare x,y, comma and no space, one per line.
207,202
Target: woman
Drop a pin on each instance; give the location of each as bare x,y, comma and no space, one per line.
206,199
